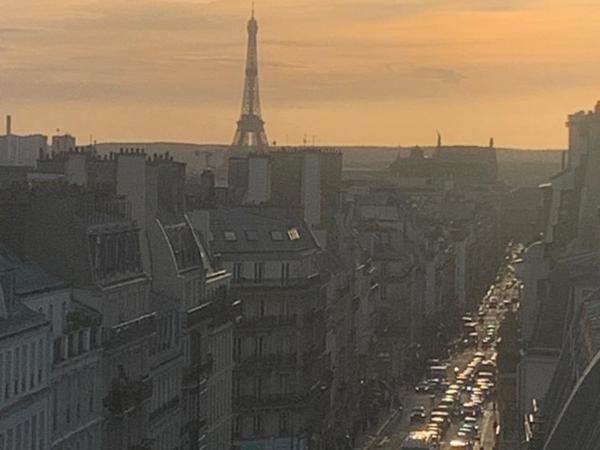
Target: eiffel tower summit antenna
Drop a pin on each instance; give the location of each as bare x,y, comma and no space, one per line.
251,128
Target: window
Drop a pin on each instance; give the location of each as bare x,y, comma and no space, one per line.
258,272
16,367
24,359
189,293
32,365
293,234
54,411
285,272
258,424
277,236
284,384
237,349
284,420
91,400
7,378
252,235
258,386
237,272
237,425
286,344
262,308
259,345
230,236
284,310
41,360
19,437
33,431
236,387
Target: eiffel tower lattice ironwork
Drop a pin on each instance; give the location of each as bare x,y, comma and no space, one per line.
251,128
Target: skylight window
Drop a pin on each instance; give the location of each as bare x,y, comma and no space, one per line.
293,234
252,235
230,236
277,235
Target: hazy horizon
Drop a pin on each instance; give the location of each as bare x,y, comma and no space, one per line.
357,72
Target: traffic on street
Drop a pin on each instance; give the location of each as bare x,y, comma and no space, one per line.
454,406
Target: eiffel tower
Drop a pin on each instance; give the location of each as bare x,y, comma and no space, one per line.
251,128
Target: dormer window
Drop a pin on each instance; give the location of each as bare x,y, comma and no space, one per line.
252,235
230,236
277,236
293,234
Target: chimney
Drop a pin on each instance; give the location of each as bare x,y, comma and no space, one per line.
8,125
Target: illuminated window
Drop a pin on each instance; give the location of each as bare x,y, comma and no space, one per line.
293,234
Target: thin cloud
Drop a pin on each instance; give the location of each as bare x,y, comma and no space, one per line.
439,73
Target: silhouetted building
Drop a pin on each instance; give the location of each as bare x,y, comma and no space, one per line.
464,165
279,345
21,150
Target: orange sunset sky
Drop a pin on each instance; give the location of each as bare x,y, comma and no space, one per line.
382,72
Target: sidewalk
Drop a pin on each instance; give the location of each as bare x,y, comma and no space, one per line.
370,439
488,433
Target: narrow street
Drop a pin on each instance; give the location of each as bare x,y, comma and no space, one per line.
393,435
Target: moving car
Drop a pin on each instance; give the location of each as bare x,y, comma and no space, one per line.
466,431
419,440
460,444
417,417
422,387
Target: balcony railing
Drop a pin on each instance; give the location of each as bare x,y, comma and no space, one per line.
126,395
267,322
128,332
76,343
171,404
268,360
307,282
290,400
197,373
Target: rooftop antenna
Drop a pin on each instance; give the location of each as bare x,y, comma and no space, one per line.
253,9
439,139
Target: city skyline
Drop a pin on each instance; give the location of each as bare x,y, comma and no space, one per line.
391,71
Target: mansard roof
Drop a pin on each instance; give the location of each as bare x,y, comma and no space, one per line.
247,231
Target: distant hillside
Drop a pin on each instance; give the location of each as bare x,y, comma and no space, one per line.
516,167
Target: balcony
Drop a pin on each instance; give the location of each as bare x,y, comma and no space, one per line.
128,332
215,313
308,282
197,373
268,361
250,402
75,343
267,323
145,444
126,395
164,409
